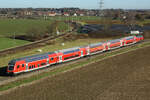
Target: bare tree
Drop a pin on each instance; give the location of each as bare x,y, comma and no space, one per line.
51,29
35,33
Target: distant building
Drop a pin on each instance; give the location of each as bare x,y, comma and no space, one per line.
66,14
58,14
75,14
51,14
81,14
28,13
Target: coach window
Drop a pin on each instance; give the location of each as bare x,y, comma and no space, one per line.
38,65
22,65
52,59
18,66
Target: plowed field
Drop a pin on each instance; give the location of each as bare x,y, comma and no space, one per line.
123,77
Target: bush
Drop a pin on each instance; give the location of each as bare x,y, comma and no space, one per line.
51,29
35,33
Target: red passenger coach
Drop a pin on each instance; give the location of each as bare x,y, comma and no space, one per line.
71,54
139,38
115,43
106,46
130,40
85,50
96,48
53,58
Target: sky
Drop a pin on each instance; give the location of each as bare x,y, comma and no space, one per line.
86,4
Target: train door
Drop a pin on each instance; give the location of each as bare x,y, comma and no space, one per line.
60,59
48,62
82,53
104,47
108,46
125,42
121,43
134,41
88,50
26,66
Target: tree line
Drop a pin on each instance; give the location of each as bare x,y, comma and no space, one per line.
36,33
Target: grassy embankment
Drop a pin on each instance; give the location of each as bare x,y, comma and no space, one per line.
70,67
7,43
146,21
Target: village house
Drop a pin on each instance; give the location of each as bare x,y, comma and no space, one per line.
66,14
51,14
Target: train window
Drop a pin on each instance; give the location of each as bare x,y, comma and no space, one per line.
66,58
30,67
52,59
22,65
43,64
18,66
38,65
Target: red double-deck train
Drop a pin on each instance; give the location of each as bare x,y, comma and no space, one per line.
35,62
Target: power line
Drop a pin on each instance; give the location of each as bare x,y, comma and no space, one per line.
101,5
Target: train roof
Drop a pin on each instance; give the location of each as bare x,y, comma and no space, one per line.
70,50
33,58
116,40
129,37
84,46
96,44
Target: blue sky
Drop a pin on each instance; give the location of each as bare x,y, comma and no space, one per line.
88,4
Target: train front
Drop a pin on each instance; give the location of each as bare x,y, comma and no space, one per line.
11,67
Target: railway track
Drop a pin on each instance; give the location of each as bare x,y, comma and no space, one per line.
28,46
4,78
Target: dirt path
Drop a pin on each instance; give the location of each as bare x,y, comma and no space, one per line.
124,77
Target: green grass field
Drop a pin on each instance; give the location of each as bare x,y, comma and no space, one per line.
19,26
74,18
9,27
8,43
